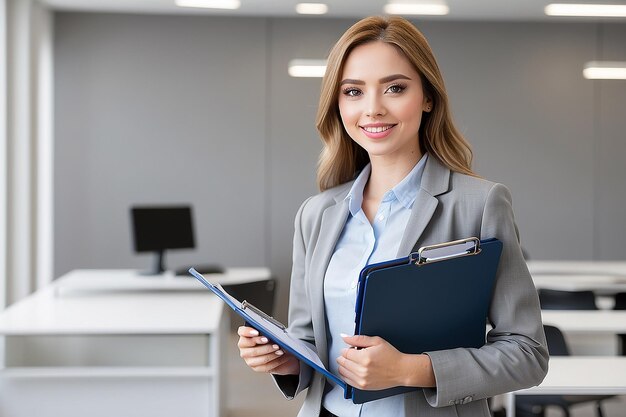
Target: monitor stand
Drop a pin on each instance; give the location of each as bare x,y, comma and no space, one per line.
157,267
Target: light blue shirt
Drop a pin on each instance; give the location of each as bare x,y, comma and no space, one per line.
362,243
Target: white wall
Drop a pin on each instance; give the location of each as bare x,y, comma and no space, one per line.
201,110
159,110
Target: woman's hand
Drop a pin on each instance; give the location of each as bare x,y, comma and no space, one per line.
378,365
262,356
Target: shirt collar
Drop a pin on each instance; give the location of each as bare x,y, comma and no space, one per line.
405,191
355,196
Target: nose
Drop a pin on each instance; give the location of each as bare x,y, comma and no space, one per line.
375,106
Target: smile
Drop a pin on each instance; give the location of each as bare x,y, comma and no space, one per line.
376,129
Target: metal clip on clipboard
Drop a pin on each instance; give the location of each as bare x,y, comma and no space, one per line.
420,257
245,304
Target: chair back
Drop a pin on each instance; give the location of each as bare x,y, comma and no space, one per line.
260,293
620,301
567,300
556,341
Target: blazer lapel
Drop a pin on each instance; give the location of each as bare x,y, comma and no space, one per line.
435,181
333,221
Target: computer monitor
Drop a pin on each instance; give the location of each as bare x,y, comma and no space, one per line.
158,228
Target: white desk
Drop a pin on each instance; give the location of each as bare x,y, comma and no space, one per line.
589,332
578,375
599,284
127,280
586,321
617,268
144,348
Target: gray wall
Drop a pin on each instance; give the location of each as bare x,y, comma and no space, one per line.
153,109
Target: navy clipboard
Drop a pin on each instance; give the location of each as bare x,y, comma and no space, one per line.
441,293
271,328
437,298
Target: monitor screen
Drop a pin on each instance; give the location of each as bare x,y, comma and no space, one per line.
156,228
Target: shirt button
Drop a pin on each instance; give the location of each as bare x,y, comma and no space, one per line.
381,217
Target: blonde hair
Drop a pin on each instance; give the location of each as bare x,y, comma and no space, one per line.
341,158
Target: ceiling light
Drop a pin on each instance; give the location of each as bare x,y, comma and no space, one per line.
605,70
311,8
210,4
432,9
314,68
589,10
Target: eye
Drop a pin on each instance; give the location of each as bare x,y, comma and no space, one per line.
351,92
396,88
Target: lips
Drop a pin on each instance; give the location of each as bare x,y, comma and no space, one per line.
377,130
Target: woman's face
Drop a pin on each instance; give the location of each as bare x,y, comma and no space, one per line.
381,101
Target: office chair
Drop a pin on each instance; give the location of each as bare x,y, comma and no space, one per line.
258,293
567,300
535,405
620,304
620,301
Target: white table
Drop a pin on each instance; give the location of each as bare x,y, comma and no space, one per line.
588,332
578,375
598,283
127,280
114,344
616,268
586,321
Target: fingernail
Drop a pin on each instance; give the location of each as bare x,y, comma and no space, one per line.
279,352
264,340
254,333
275,346
344,335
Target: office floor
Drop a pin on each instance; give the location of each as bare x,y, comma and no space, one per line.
253,395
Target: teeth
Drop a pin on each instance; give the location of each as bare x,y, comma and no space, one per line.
377,129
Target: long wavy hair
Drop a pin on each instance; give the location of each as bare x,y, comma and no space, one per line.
342,158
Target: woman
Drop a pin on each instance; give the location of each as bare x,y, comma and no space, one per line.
395,175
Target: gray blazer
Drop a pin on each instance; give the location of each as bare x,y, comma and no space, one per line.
448,206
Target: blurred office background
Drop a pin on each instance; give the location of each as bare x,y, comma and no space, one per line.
201,110
107,104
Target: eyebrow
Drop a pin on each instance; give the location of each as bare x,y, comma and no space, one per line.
383,80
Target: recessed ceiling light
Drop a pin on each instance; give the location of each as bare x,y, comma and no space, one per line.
314,68
605,70
311,8
588,10
421,8
210,4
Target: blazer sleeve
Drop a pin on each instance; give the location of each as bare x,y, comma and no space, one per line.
515,355
300,321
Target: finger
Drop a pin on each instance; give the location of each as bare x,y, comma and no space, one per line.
247,331
258,350
360,340
356,356
350,377
271,365
245,341
262,360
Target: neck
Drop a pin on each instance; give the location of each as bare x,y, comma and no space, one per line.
387,173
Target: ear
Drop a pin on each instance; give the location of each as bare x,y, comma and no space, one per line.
427,105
